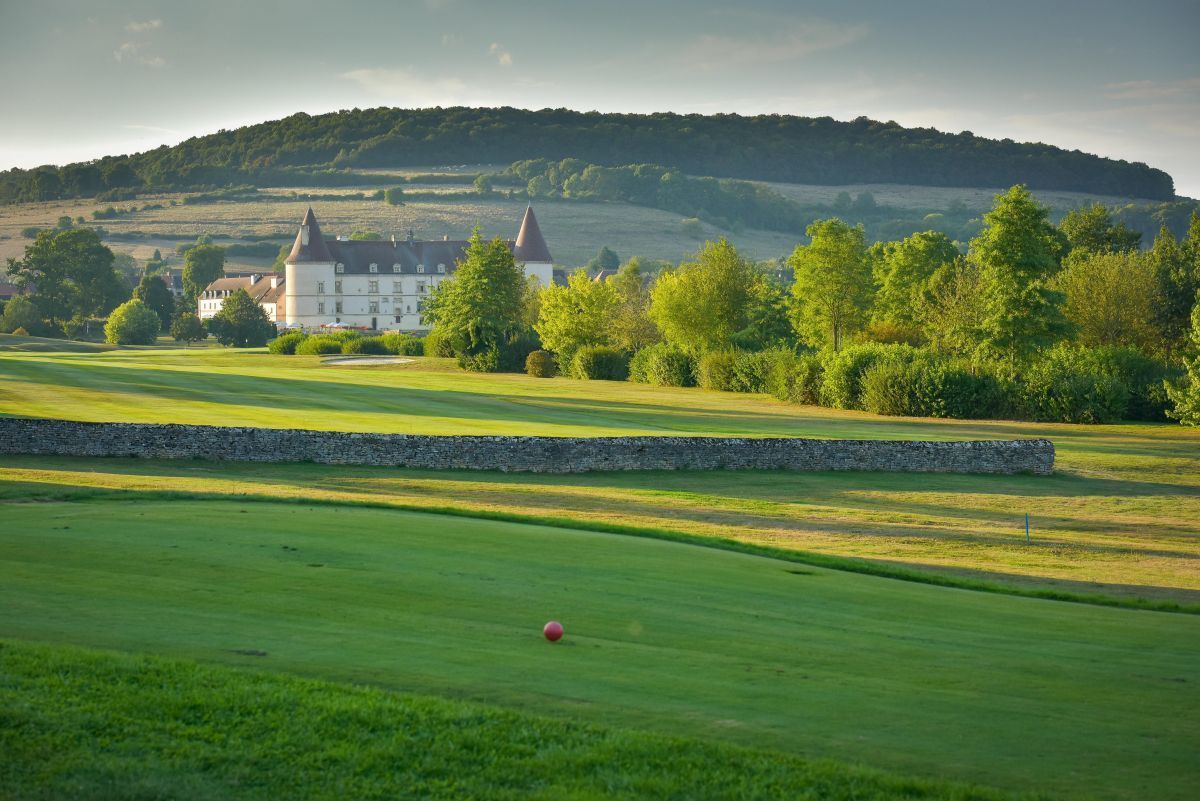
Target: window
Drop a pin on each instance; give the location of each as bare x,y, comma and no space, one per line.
396,286
320,307
374,268
337,287
372,307
337,307
420,287
372,286
395,268
398,318
341,268
420,268
420,305
396,301
441,268
320,287
408,309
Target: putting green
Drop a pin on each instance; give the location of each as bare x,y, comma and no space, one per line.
1017,693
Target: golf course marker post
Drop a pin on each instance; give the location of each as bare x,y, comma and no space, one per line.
1027,528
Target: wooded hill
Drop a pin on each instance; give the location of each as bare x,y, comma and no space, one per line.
327,149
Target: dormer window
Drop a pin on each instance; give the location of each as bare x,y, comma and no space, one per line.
374,268
341,268
395,268
420,268
441,268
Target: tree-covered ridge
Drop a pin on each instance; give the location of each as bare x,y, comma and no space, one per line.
767,147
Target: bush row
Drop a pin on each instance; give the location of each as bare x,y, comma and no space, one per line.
349,342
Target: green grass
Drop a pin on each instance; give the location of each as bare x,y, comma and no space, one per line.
933,682
1120,517
79,723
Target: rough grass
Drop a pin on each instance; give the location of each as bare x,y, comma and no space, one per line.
98,725
1026,695
1120,517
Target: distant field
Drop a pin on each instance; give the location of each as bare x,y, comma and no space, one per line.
1069,700
1121,515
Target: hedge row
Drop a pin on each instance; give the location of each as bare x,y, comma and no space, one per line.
348,342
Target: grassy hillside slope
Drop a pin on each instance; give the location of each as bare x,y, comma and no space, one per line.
1067,699
1121,515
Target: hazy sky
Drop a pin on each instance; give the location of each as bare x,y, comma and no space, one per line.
85,79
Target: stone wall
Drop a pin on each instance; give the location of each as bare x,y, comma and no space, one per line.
518,454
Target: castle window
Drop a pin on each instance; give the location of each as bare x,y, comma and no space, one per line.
420,287
320,307
374,268
396,301
441,268
372,286
337,307
398,318
337,287
341,268
372,307
420,268
395,268
396,286
320,287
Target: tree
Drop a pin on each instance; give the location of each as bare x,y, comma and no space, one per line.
69,274
631,328
1109,298
1186,394
188,328
1177,282
951,308
132,323
65,222
483,183
241,322
153,291
20,312
576,315
202,265
365,236
832,289
901,271
1092,230
606,259
700,305
1019,252
482,306
394,196
768,324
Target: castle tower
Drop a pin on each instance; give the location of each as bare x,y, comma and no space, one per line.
309,287
531,252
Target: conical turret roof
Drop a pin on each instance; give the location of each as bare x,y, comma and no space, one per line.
309,245
530,245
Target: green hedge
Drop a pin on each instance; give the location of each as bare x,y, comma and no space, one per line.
599,362
286,344
663,365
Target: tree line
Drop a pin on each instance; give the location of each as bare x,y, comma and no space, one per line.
310,150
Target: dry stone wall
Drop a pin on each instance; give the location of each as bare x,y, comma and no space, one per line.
518,454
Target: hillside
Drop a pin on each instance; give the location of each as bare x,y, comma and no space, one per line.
327,149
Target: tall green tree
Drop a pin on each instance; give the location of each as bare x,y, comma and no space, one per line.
241,322
1019,252
1186,394
700,305
832,290
768,321
188,328
951,309
576,315
202,265
482,306
1176,282
901,271
152,291
132,323
1110,297
631,326
1092,230
606,259
69,274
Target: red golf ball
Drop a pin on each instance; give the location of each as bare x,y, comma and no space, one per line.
553,631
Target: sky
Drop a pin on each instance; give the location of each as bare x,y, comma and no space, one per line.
86,79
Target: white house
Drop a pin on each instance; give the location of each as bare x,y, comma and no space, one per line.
375,284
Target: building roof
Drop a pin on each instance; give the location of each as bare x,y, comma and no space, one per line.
309,245
258,287
530,244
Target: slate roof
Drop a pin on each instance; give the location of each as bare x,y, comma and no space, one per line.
530,244
315,249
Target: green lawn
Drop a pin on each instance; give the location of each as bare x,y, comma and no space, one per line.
1121,516
1068,699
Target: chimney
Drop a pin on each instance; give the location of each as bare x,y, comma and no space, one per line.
445,237
254,278
393,240
410,236
274,280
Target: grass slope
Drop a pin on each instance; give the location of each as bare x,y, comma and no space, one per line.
1016,693
1121,516
77,723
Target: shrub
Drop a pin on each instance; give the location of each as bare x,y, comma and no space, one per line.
438,345
600,362
541,364
403,344
132,323
1067,386
20,312
841,387
715,370
928,387
1144,377
20,331
486,361
752,369
663,365
796,377
285,345
370,346
513,352
319,345
187,327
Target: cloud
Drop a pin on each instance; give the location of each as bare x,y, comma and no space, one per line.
135,53
1151,90
712,51
143,27
502,56
407,87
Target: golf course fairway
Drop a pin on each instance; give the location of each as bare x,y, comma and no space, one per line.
1021,694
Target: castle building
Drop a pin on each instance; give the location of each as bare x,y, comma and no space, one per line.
375,284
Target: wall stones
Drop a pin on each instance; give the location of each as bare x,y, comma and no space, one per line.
518,454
